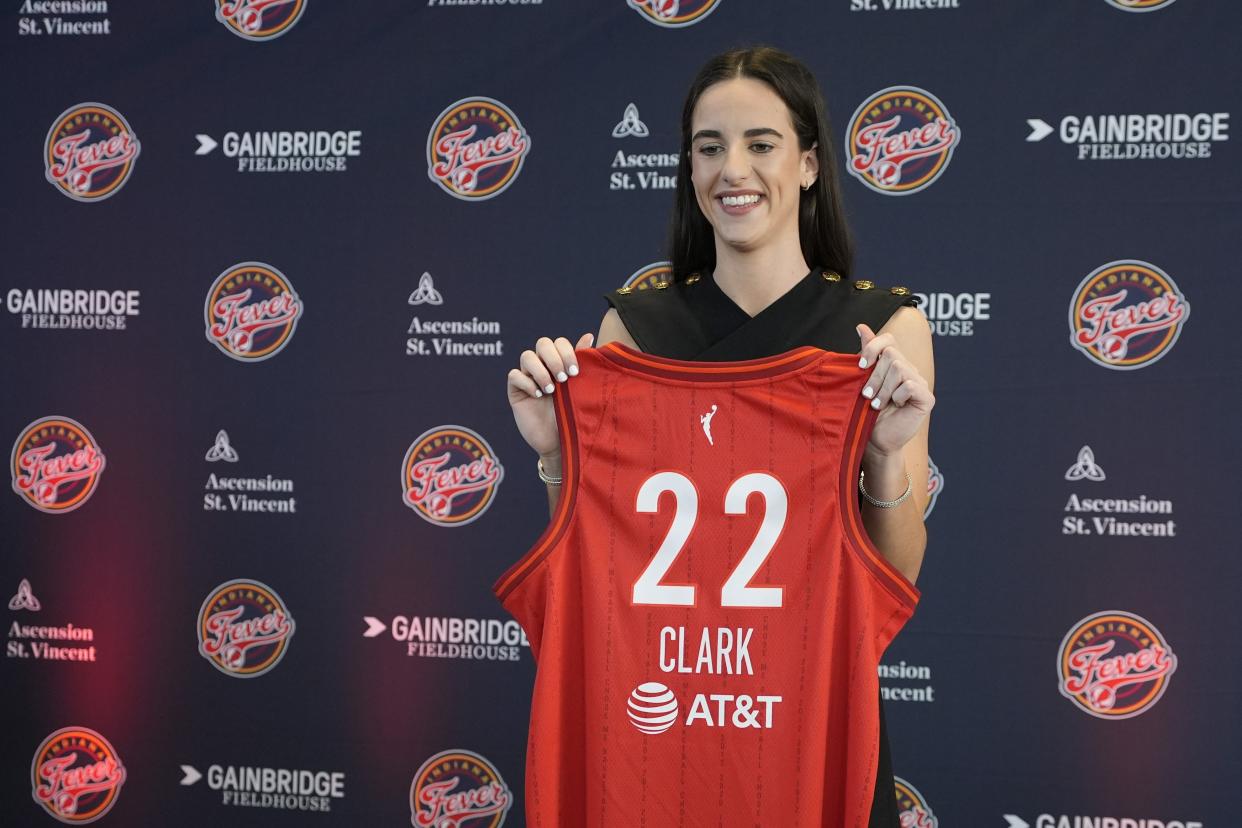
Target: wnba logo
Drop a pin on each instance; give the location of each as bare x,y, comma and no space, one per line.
1139,5
900,140
259,19
56,465
476,149
673,14
458,788
76,775
1126,314
244,628
657,275
450,475
90,152
1114,665
251,311
912,806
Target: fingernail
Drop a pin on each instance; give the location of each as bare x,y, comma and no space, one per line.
561,376
549,388
868,392
538,393
573,370
862,363
875,403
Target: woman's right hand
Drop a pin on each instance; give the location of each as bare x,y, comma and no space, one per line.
530,388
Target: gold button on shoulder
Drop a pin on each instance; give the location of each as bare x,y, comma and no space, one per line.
624,290
864,284
692,278
829,276
661,285
899,291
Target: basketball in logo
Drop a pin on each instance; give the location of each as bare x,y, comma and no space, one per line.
912,807
459,789
90,152
251,311
673,14
900,140
259,19
476,148
1114,665
658,275
76,775
450,476
1126,315
244,628
56,465
1139,5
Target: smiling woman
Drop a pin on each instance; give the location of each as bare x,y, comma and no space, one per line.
761,259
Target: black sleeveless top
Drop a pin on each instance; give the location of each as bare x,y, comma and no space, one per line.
695,320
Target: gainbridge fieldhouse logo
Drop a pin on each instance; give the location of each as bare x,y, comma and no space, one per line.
673,14
251,311
912,806
244,628
900,140
1114,665
450,475
459,788
90,152
1139,5
56,464
476,149
1126,314
76,775
259,19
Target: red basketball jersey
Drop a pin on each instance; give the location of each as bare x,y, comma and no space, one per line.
706,611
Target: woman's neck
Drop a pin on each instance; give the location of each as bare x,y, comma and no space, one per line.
754,279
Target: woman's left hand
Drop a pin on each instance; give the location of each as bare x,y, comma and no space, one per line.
896,389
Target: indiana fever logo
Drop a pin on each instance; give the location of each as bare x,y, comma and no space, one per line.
1114,665
900,140
56,465
259,19
90,152
450,475
673,13
76,775
476,149
1140,5
912,806
658,275
251,311
458,789
1126,315
244,628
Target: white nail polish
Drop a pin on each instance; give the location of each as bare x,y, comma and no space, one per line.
875,403
868,393
862,363
573,370
549,388
561,376
538,393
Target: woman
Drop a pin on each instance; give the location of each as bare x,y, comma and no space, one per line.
761,259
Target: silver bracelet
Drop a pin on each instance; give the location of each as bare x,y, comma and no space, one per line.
884,504
545,477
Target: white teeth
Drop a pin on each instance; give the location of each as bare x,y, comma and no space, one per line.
738,201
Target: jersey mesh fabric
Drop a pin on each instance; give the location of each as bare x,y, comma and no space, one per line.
775,718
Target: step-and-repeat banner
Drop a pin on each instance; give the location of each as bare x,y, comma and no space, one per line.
268,263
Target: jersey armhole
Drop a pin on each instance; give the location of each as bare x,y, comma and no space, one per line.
561,516
889,577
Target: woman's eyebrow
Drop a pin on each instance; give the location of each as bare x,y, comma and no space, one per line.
750,133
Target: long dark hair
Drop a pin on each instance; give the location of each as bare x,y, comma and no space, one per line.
824,235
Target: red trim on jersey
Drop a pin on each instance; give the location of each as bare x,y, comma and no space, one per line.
862,418
786,363
564,507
